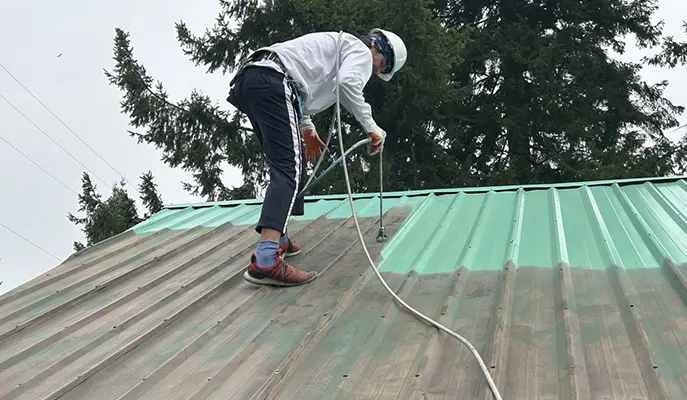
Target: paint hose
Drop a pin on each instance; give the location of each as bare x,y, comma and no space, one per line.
418,314
310,183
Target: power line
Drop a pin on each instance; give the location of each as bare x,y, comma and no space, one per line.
678,128
65,124
32,243
36,164
53,140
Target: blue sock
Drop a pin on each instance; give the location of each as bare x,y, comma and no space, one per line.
283,238
266,253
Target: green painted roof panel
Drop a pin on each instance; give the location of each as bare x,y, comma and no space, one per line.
634,225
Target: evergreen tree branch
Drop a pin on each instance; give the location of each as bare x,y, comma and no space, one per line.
193,134
672,54
149,195
403,107
103,219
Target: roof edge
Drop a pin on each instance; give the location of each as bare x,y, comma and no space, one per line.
425,192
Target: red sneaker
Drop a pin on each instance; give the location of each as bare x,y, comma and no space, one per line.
289,248
279,274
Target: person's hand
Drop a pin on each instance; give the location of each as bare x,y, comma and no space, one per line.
377,140
311,140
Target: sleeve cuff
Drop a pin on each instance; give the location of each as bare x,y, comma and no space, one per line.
370,126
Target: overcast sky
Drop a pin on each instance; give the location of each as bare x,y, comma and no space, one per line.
74,87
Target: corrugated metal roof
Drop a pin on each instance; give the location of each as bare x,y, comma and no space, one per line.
567,290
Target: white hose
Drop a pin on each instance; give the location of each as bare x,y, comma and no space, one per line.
418,314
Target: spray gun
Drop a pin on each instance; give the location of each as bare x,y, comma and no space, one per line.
381,235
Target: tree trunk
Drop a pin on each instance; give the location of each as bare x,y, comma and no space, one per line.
513,94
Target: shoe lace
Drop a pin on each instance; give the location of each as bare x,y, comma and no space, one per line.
282,270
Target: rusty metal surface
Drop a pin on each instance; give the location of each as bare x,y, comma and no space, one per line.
166,314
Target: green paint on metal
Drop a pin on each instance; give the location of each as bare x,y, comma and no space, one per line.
632,223
153,220
664,223
484,189
249,214
598,226
316,209
365,208
493,225
537,246
200,217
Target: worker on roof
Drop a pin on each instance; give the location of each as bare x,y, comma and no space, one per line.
279,87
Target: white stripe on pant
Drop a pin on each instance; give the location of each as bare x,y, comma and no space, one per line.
296,136
268,100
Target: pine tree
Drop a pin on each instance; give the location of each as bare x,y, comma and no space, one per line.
90,202
673,54
149,195
104,219
197,135
548,104
494,92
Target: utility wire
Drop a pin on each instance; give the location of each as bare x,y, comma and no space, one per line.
36,164
53,140
678,128
65,125
32,243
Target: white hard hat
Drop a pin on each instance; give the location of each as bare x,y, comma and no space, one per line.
400,53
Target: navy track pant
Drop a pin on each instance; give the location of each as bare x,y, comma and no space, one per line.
268,100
